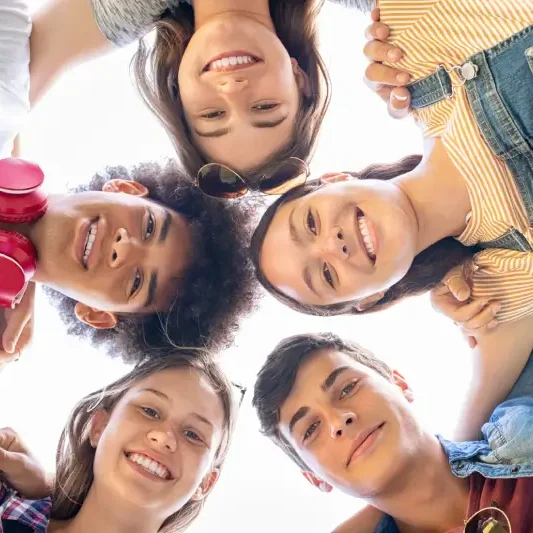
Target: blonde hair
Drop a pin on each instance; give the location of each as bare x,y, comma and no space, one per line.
156,66
75,454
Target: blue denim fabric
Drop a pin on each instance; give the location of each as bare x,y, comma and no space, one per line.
506,450
500,93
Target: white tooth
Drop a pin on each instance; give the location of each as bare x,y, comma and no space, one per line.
240,60
217,64
232,60
225,61
91,239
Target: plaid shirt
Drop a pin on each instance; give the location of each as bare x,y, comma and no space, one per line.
32,513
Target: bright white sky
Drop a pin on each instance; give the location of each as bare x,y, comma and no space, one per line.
93,118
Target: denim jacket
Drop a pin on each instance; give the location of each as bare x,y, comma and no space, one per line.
506,450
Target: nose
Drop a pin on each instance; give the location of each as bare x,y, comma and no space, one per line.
162,440
123,248
231,85
335,245
341,423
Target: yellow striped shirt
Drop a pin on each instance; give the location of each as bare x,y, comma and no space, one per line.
446,32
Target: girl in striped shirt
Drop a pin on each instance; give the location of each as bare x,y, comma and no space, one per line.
361,245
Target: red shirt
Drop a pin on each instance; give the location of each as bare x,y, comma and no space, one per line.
513,496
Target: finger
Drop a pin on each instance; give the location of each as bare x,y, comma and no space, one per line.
15,326
7,437
459,313
379,51
399,103
383,91
483,319
377,30
383,75
472,342
459,288
375,14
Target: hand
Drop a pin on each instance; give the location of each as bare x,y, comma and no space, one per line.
387,82
474,318
16,326
22,470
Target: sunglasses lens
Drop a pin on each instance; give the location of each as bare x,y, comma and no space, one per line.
490,520
289,174
221,182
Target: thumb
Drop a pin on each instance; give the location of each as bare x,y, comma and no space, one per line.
459,288
399,102
15,326
10,462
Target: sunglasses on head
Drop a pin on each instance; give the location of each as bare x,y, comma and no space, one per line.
220,181
488,520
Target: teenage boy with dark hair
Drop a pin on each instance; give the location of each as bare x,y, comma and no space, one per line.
345,418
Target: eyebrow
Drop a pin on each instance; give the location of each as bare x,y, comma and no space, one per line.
165,227
157,393
297,417
330,380
309,281
292,228
224,131
216,133
270,124
202,419
328,383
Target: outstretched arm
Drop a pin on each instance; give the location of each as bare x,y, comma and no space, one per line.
64,33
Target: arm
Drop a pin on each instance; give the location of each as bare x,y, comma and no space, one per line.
498,360
365,521
64,33
20,467
68,32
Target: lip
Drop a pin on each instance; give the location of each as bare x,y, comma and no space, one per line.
231,68
79,241
364,442
360,240
154,457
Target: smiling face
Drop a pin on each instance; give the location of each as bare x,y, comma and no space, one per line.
342,242
352,427
115,251
155,450
240,91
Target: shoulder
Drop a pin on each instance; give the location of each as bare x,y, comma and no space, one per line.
123,21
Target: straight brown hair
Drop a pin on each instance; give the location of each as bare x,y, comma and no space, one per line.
155,69
426,272
75,454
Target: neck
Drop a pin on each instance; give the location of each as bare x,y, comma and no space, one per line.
100,514
438,195
427,496
204,10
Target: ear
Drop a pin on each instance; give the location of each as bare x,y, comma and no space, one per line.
98,424
95,318
206,486
334,177
401,382
317,482
126,186
302,79
366,303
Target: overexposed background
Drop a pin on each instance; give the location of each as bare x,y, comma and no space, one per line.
93,118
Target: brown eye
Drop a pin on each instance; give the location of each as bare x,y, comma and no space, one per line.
265,107
327,276
310,430
136,284
212,114
150,226
311,222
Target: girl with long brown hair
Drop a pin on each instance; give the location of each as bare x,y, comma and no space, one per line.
235,82
140,455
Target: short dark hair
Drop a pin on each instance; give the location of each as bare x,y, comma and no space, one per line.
426,271
216,291
278,375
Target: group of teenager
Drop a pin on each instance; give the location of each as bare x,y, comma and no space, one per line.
158,264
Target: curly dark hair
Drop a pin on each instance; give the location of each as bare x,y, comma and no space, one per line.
217,290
